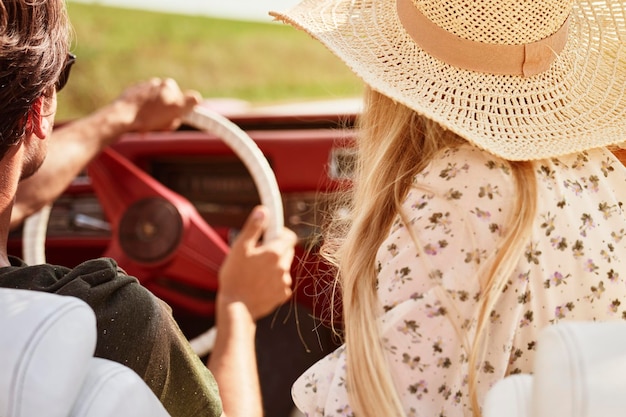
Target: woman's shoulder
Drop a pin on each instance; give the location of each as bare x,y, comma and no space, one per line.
453,163
456,171
469,163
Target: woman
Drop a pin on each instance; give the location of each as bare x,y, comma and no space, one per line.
486,204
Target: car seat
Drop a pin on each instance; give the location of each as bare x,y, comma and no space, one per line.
47,365
579,371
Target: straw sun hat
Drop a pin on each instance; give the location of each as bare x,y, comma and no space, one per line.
523,79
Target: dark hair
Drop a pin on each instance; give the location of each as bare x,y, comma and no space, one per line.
34,42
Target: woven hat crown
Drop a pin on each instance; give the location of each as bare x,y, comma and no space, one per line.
504,22
522,79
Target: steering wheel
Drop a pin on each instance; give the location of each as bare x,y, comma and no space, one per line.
157,235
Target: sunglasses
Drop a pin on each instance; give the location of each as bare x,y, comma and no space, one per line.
65,73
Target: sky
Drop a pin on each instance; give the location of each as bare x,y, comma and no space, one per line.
255,10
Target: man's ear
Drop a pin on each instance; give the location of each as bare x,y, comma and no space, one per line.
38,123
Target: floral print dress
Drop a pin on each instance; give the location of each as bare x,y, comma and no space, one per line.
572,268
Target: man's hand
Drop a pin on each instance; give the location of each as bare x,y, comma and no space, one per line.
257,275
157,104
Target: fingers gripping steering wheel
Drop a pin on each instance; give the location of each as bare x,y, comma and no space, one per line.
157,235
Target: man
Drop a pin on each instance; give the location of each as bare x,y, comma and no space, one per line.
134,327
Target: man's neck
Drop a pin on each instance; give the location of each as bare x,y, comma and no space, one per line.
5,218
10,173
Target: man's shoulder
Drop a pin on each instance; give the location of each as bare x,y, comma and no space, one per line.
60,279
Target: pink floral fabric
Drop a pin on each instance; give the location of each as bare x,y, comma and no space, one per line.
572,268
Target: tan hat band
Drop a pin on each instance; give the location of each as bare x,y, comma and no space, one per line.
525,60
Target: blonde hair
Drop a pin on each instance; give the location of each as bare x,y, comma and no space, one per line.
394,145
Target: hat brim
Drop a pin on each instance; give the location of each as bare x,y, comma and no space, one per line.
578,104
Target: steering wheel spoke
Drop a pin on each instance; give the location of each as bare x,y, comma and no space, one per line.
157,235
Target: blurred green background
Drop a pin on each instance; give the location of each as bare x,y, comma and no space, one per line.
264,63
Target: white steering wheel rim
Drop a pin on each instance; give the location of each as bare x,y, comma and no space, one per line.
247,150
34,237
